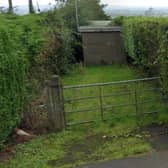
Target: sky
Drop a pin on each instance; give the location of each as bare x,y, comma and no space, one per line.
25,2
140,3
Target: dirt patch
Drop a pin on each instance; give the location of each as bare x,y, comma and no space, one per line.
7,154
157,130
9,151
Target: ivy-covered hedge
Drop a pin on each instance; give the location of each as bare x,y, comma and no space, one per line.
146,41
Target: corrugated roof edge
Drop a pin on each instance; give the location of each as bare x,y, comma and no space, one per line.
85,29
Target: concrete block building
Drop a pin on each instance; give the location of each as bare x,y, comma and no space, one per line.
102,45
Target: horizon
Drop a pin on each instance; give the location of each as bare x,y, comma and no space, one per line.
123,3
137,3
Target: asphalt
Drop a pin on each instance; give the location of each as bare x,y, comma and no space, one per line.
156,159
153,160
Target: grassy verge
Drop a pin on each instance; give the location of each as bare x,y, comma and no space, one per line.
100,141
75,147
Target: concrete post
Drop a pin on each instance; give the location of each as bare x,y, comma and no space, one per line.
55,104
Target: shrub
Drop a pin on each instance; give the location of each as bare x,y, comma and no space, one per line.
118,21
58,50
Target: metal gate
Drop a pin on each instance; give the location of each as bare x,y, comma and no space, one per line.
139,99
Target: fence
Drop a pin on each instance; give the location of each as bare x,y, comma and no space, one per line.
80,104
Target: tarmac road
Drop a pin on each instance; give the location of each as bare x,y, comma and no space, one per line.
153,160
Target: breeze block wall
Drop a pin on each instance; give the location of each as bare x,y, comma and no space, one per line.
102,45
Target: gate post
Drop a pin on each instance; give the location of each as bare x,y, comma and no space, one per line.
136,104
56,120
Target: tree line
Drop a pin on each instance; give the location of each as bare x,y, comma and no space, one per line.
30,3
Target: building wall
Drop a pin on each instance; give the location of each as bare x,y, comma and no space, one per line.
103,48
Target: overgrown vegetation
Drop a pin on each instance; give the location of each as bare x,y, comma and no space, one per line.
31,48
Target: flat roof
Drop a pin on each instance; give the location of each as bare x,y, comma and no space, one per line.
99,23
87,29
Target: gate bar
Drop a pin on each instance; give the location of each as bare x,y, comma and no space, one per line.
109,83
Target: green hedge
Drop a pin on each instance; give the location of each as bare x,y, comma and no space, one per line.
13,68
31,47
19,43
146,41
